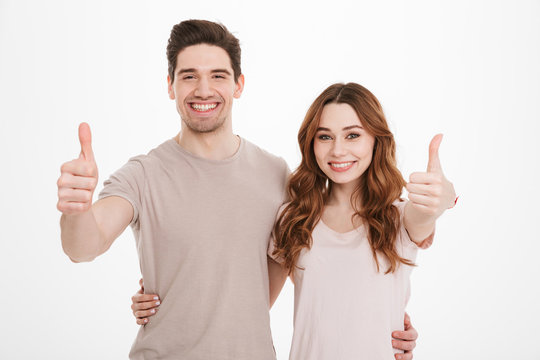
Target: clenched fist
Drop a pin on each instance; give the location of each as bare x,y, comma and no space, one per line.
78,177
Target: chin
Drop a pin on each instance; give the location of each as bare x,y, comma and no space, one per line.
345,180
204,127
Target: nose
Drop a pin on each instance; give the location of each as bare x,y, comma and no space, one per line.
338,148
203,89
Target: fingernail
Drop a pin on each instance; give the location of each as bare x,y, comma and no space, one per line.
145,320
157,302
153,311
156,298
398,357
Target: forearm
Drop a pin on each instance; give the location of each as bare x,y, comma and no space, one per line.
430,194
277,275
81,237
88,234
88,229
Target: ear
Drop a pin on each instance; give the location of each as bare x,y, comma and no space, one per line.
239,86
170,89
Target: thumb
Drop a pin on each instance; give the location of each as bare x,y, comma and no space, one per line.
407,321
434,163
85,138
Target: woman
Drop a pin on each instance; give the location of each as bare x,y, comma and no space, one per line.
346,239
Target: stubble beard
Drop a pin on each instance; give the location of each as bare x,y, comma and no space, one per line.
204,127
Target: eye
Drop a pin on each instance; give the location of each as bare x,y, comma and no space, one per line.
188,77
219,76
353,136
324,137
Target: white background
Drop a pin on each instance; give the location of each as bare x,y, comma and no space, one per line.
468,69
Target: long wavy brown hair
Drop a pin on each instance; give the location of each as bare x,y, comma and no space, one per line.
308,187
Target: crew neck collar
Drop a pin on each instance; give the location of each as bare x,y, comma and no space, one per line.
231,158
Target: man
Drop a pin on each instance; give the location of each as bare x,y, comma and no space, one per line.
201,206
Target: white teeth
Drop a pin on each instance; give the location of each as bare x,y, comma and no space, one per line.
342,165
203,107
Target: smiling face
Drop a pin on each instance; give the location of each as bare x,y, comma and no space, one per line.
342,147
204,88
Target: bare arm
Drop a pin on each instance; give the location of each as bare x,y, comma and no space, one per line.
277,275
89,234
430,194
88,230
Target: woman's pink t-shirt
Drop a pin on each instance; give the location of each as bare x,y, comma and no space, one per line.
344,308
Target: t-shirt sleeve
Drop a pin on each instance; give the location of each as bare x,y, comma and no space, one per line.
286,175
404,235
271,242
127,182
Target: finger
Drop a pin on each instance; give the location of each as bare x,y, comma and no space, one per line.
409,334
403,345
425,178
69,207
423,200
434,163
142,321
144,313
139,297
405,356
407,321
70,181
421,189
145,305
79,167
74,195
141,282
85,138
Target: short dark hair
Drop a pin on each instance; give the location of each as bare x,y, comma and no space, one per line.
194,32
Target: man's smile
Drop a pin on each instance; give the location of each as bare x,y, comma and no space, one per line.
203,107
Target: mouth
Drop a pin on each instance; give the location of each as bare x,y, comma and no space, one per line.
341,166
203,108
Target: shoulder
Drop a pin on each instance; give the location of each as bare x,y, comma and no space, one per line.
255,152
140,165
156,156
163,150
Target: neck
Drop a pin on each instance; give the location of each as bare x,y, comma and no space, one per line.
338,211
340,195
215,145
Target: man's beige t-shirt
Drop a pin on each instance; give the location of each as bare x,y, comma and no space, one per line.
202,229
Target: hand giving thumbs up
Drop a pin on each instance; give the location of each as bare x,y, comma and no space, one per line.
78,177
430,192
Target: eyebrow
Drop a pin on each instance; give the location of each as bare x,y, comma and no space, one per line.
344,129
193,70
